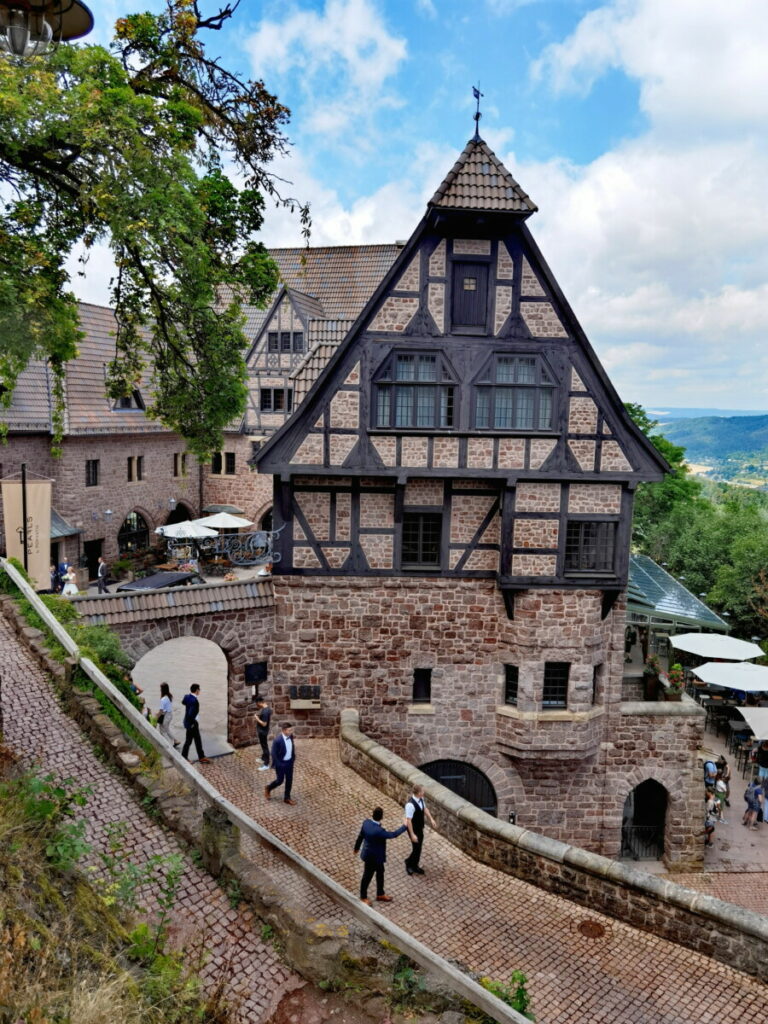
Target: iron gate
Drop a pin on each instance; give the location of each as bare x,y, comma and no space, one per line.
466,781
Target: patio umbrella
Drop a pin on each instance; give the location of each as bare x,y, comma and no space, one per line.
716,645
223,521
186,531
738,675
757,720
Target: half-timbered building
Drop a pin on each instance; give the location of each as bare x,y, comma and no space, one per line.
456,493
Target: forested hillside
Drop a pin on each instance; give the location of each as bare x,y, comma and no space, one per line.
711,536
714,438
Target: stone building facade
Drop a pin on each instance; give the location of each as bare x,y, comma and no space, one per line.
455,495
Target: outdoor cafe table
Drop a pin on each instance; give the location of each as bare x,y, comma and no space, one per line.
736,726
716,711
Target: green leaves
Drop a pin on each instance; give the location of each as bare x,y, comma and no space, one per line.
127,147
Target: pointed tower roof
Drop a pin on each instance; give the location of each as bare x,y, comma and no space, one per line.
480,181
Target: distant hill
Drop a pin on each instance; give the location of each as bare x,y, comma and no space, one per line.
670,412
714,438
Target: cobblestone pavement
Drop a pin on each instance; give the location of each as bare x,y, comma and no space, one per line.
490,921
36,728
737,864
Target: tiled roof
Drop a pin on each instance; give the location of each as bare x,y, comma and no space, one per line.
30,408
308,306
342,278
89,411
204,599
653,588
325,336
480,181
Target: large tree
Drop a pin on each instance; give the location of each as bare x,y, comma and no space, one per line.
128,147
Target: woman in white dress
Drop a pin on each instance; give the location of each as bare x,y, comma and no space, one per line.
165,714
70,583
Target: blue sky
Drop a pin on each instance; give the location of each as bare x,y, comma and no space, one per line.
637,126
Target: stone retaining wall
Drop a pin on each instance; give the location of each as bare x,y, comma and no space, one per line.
733,935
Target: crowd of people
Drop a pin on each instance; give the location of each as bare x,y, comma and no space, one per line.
717,790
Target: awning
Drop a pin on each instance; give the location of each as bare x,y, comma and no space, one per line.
757,720
232,509
715,645
739,675
223,521
61,528
186,530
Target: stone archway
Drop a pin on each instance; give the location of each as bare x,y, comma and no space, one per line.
644,820
180,513
465,780
181,662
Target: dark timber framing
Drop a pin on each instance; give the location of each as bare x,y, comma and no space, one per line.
380,459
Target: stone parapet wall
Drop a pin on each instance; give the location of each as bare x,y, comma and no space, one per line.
731,934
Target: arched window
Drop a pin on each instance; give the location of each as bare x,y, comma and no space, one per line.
415,390
465,780
133,535
514,393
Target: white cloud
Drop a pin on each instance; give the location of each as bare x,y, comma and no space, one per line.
342,56
698,64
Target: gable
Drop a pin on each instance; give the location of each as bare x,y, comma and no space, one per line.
466,359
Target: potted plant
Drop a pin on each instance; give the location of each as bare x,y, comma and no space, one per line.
675,683
651,670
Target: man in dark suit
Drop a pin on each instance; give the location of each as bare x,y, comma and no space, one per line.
191,711
373,839
283,758
101,575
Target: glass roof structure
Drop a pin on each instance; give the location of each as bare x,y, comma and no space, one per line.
654,593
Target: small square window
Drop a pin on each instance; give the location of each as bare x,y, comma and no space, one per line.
92,473
298,341
129,474
470,284
273,341
285,341
139,467
216,464
511,673
229,463
422,685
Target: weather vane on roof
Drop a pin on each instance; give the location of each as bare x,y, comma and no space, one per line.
477,115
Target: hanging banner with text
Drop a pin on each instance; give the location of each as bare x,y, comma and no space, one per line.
38,501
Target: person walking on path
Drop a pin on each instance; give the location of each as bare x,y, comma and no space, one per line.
70,583
415,813
373,839
192,706
753,794
263,715
102,574
165,714
283,758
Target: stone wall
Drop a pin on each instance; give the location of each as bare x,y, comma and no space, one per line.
245,489
566,772
243,636
731,934
84,507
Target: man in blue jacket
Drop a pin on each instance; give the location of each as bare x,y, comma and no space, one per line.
191,711
373,839
283,757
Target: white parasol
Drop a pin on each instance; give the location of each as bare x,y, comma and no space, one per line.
757,720
738,675
716,645
186,531
223,521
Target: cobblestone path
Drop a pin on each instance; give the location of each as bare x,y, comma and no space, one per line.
36,728
490,921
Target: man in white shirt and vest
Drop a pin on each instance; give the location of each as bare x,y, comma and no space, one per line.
415,813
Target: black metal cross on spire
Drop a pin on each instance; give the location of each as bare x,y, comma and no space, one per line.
477,115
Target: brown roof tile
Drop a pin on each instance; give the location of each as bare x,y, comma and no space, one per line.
324,338
30,408
480,181
199,600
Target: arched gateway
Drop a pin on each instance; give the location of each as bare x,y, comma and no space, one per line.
466,781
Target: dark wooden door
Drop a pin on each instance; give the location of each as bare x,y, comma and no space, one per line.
469,307
91,551
466,781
